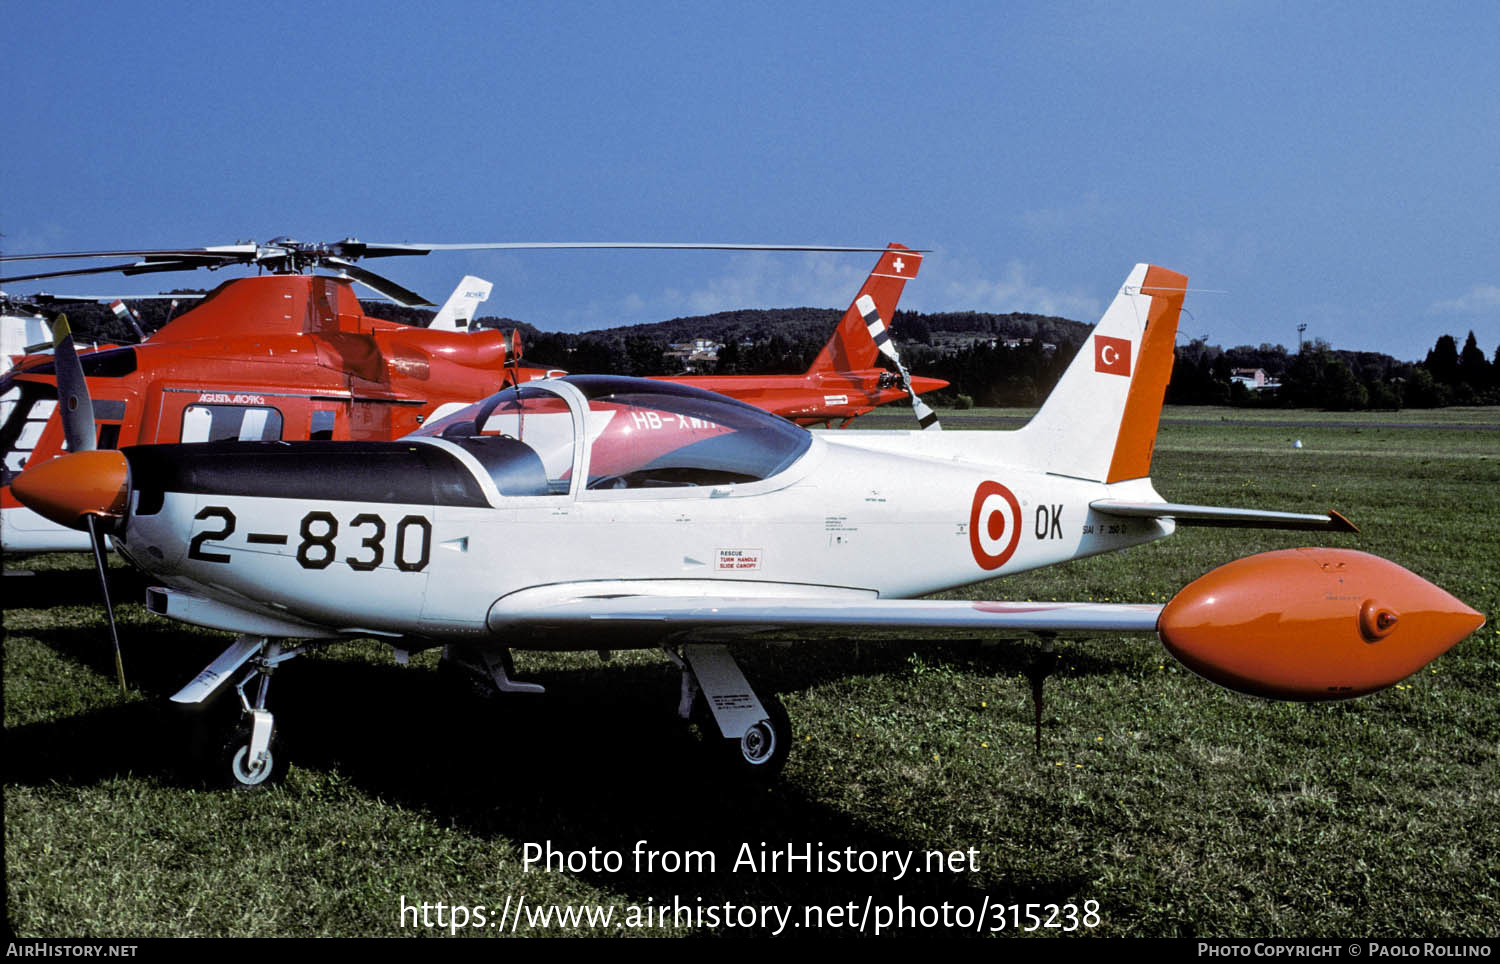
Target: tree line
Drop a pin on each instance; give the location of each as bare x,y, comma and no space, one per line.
968,349
1320,376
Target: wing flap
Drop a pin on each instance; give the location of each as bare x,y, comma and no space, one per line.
1213,515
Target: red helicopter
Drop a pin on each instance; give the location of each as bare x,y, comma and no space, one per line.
293,356
844,381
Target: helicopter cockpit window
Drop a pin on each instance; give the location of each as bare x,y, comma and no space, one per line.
27,407
524,440
655,435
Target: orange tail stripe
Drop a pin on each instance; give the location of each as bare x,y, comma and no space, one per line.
1137,439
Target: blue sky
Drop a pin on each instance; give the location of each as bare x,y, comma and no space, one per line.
1333,164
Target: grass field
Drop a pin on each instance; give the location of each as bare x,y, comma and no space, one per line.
1180,808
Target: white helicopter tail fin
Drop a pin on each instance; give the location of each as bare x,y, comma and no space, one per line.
458,310
1100,421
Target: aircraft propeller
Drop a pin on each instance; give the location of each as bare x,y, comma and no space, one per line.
78,429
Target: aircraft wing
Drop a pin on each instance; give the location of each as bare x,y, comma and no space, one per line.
604,614
1214,515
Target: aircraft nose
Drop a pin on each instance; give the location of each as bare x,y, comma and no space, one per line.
69,487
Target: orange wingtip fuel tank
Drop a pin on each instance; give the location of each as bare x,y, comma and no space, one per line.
1312,624
71,486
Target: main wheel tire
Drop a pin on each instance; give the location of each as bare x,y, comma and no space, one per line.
761,752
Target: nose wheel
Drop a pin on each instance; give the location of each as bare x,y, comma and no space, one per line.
252,761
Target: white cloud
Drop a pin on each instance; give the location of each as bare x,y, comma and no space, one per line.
764,280
769,280
967,287
1479,298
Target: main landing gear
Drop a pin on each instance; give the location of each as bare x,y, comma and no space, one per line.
749,735
753,734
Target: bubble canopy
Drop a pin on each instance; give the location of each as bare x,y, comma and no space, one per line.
639,434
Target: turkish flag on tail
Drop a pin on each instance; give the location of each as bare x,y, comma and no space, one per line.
1112,355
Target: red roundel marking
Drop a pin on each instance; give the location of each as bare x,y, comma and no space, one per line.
994,525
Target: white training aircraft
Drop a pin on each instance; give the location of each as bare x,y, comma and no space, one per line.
599,513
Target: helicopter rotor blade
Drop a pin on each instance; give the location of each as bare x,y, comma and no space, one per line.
289,255
385,286
415,248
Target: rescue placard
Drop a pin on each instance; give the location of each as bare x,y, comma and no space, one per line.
738,560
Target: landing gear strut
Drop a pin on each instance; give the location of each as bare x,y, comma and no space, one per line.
753,733
251,761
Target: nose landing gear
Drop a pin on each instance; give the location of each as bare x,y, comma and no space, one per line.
248,758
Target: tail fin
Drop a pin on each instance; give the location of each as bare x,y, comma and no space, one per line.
458,310
1100,421
852,347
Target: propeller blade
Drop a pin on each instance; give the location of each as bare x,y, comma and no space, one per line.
77,409
96,539
926,417
82,490
385,286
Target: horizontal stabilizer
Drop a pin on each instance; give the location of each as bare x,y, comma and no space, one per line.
1213,515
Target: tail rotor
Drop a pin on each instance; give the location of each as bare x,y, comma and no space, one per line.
926,417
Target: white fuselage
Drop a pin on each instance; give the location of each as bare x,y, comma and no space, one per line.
844,517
